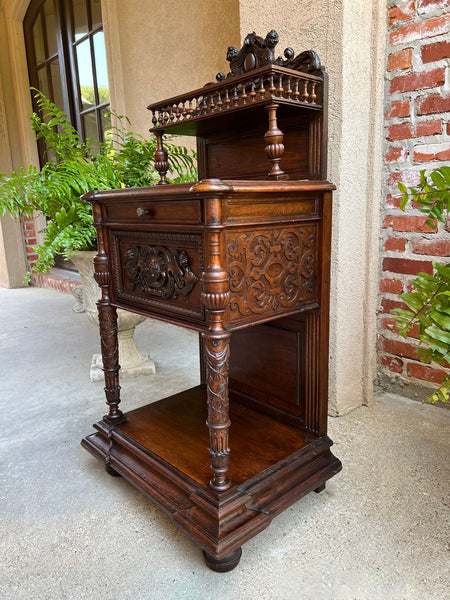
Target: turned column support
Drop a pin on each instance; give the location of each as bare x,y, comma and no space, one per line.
161,159
216,344
274,144
216,339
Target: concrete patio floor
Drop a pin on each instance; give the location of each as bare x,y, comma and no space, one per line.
70,531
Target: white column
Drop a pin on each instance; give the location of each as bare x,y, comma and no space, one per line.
350,40
18,146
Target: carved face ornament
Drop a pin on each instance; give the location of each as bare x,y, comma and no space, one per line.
232,52
272,39
154,268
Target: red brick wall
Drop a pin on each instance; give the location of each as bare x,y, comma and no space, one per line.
30,239
57,281
417,129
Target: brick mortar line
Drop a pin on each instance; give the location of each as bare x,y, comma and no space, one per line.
417,18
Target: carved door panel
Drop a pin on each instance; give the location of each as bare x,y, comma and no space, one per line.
158,271
272,271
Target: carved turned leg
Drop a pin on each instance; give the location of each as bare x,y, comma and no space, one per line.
161,159
110,353
107,315
216,340
227,563
274,144
217,352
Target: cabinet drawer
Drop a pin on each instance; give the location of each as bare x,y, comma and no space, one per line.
158,272
153,211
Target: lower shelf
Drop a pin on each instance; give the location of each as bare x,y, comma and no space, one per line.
162,448
175,430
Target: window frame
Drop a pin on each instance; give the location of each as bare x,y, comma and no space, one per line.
68,64
92,31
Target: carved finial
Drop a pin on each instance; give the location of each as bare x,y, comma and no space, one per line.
307,62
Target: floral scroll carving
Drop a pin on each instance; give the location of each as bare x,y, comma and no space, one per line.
108,323
217,356
110,353
271,271
158,271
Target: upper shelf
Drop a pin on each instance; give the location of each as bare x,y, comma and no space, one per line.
264,86
256,79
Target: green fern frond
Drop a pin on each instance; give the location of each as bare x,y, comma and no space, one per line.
76,167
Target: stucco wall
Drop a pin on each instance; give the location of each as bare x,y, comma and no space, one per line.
349,38
159,49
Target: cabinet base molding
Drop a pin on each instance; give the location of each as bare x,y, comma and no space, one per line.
281,465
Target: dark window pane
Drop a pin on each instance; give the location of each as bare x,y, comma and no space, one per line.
90,125
96,13
55,26
50,22
85,76
100,66
55,74
38,39
43,81
106,124
80,20
43,87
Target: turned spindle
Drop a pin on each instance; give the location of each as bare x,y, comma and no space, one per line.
274,144
161,159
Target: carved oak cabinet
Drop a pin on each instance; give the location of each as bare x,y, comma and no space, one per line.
242,257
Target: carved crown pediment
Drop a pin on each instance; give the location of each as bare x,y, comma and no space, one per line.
259,52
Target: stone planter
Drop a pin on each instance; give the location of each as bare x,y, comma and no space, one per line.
133,360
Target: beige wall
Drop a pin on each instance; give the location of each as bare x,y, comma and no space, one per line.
159,49
349,38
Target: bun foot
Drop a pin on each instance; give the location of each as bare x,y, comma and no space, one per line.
228,563
111,471
320,488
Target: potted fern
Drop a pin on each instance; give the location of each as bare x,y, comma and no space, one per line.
73,168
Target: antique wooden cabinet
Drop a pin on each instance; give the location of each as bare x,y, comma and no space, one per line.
242,256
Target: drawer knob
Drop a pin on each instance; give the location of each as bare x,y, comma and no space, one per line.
142,212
